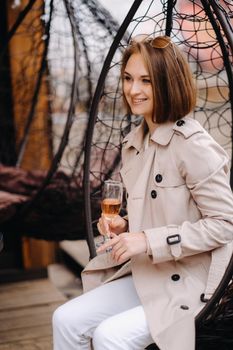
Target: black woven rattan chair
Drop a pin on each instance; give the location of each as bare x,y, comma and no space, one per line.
108,122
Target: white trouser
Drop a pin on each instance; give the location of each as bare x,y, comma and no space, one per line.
111,315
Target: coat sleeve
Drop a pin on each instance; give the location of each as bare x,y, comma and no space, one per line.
204,166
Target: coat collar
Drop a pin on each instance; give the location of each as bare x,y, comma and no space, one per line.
162,135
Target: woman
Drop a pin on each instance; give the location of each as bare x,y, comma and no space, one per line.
180,211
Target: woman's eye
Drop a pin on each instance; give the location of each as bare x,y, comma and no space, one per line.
146,81
127,78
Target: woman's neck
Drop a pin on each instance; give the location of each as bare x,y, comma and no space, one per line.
151,125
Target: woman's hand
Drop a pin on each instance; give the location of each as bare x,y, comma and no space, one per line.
125,245
116,225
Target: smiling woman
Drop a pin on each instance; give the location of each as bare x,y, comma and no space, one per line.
162,263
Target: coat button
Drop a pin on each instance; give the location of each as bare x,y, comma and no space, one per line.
184,307
180,122
158,178
153,194
175,277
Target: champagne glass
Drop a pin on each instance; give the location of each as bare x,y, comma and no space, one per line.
111,200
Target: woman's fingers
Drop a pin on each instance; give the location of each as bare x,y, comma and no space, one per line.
125,245
118,247
116,225
118,252
110,243
103,226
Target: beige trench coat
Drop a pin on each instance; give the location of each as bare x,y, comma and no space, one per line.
179,195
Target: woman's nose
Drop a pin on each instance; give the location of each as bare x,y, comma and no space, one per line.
135,88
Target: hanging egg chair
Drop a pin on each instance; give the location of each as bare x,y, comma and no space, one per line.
204,31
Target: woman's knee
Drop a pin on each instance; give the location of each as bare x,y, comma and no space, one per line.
68,329
65,317
59,317
104,336
71,316
100,336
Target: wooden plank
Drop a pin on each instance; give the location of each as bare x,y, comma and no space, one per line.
28,300
26,310
35,286
22,294
26,317
41,343
31,311
25,333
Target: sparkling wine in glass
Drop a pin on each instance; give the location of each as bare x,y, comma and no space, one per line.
111,199
110,207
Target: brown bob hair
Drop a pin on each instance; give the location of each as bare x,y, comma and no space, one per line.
171,77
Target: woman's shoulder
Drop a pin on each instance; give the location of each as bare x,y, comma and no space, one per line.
189,133
188,127
194,148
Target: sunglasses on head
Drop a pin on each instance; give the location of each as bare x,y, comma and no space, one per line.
160,42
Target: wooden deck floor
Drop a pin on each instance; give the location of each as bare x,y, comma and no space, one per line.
25,314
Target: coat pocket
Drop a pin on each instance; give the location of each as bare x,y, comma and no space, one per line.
168,179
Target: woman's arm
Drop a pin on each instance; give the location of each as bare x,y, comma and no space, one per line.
203,165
